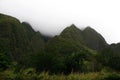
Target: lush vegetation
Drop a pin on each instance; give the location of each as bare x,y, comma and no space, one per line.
30,74
73,55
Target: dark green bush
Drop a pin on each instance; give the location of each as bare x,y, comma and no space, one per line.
112,76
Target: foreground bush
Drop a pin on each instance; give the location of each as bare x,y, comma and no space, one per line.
30,74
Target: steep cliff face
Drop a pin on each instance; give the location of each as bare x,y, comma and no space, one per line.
93,39
36,39
69,41
13,37
72,33
17,38
88,37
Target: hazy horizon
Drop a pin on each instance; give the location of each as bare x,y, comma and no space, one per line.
52,16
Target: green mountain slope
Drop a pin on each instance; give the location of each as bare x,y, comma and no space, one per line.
69,45
36,39
115,48
18,39
12,37
74,50
88,37
93,39
72,33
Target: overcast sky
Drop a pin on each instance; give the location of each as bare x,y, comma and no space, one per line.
52,16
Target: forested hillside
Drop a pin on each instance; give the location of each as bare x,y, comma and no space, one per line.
74,54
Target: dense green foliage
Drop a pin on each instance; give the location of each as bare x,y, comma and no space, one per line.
4,61
108,58
25,53
30,74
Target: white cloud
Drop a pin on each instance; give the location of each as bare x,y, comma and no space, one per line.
52,16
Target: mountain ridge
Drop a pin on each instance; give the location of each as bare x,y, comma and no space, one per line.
88,37
86,49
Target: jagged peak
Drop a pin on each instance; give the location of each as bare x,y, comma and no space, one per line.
89,28
72,27
96,40
73,33
26,23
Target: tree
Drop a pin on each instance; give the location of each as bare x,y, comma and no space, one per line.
110,59
4,61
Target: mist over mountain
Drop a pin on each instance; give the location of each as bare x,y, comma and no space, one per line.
73,50
53,16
